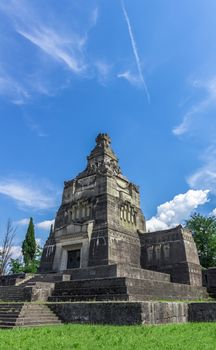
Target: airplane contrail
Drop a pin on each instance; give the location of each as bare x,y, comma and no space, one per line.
135,51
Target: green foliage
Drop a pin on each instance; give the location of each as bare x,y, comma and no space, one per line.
33,265
204,234
193,336
16,266
29,245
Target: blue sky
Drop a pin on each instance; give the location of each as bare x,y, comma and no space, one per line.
143,71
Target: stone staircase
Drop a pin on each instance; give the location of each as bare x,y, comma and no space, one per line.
16,293
61,288
123,289
90,290
12,293
26,315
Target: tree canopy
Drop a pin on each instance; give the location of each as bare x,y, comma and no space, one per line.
29,244
204,233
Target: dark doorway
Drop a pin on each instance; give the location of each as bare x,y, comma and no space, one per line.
73,259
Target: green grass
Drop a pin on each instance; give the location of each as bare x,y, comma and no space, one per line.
190,336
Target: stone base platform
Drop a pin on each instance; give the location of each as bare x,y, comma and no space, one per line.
124,289
113,313
116,270
115,282
128,313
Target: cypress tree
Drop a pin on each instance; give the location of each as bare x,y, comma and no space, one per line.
29,244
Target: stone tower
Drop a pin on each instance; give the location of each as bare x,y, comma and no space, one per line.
99,221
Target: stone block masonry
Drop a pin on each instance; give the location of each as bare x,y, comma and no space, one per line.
100,223
131,313
113,313
100,265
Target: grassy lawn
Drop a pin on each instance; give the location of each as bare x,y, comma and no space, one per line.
179,336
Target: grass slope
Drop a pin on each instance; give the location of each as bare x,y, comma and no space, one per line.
192,336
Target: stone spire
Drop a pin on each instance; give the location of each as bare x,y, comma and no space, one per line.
102,160
102,148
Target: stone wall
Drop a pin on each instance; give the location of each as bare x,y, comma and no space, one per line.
202,312
116,270
121,313
172,251
11,280
128,313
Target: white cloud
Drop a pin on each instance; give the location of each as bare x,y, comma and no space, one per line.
205,177
103,71
29,195
177,210
22,222
13,90
199,108
39,241
65,46
65,50
135,51
62,41
131,78
45,225
94,16
16,252
34,126
213,212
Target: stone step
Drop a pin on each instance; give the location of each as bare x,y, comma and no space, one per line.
13,299
8,314
27,317
12,295
92,283
7,296
8,323
8,319
37,312
89,292
12,306
11,292
37,325
10,309
39,319
123,289
96,297
23,315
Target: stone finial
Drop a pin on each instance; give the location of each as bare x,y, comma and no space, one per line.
51,230
103,140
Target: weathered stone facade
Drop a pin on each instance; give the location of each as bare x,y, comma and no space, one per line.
100,215
101,264
100,223
174,252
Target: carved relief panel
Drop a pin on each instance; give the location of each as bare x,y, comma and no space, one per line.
128,213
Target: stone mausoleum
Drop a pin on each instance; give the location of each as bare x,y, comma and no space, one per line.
100,226
100,265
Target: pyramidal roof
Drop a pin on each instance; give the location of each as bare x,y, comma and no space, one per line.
102,160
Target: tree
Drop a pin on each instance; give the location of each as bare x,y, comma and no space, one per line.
6,247
33,265
29,245
204,234
16,265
